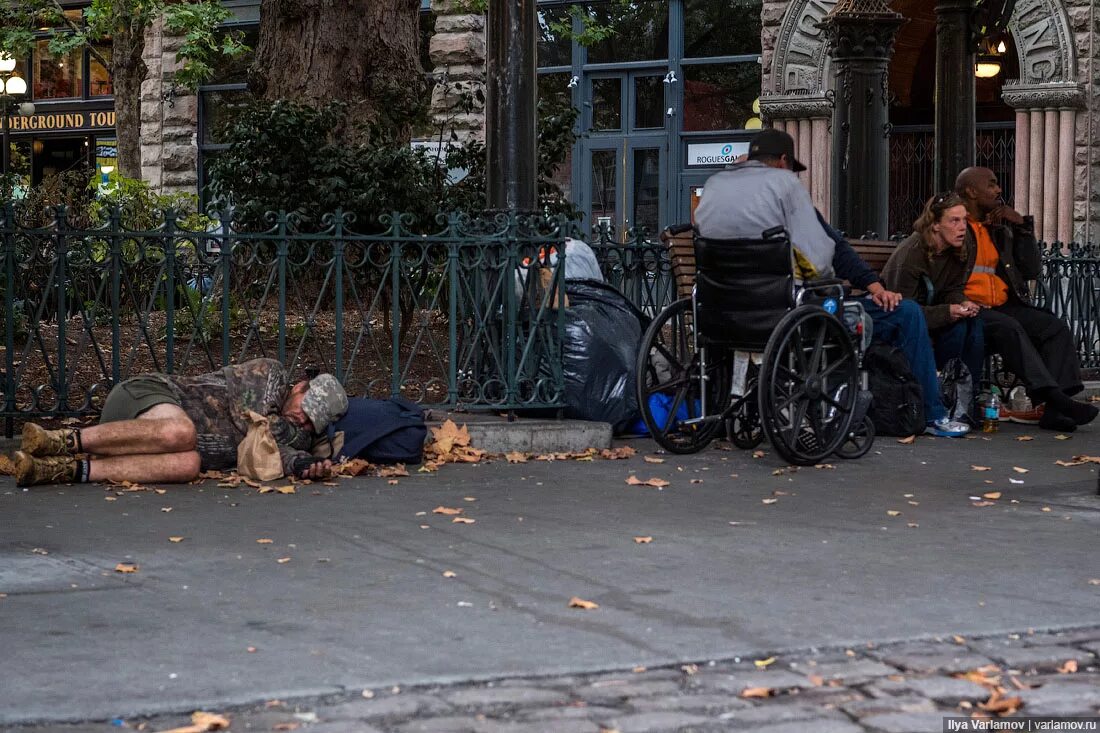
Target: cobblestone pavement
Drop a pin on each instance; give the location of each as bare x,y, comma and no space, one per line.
906,687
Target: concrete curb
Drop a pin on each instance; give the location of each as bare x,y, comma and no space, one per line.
526,435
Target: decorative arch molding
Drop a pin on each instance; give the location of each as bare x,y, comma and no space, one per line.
800,67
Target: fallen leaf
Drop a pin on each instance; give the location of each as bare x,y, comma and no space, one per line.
908,496
690,669
250,650
816,680
449,574
1069,463
7,466
913,503
992,495
1069,667
283,560
449,511
1046,509
353,467
1061,437
893,513
1001,705
1087,459
516,457
126,567
462,520
958,639
1024,438
202,722
751,692
657,483
980,468
758,454
161,491
577,602
264,541
778,472
768,501
912,524
982,503
638,670
166,508
110,498
393,482
392,471
643,540
763,663
907,441
175,539
827,466
612,454
1017,469
449,435
289,725
469,498
653,459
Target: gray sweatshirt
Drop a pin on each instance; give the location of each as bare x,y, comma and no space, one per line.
749,198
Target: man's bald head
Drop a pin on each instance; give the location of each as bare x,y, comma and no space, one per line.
972,177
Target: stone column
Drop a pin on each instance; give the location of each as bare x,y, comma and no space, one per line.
457,51
806,119
860,39
1046,132
169,119
956,117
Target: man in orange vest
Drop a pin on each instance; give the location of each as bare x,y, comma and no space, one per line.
1035,344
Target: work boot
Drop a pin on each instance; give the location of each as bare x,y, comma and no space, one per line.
37,441
30,471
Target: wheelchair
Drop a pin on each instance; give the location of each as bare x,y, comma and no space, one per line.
751,354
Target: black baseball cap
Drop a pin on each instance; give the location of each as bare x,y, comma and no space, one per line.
771,141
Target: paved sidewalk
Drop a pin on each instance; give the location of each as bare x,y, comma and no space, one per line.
898,688
748,559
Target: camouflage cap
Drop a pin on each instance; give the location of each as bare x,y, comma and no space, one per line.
325,401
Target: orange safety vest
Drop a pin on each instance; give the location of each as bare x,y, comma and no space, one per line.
985,287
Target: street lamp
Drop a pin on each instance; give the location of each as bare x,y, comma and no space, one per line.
12,87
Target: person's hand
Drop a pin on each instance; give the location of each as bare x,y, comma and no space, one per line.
888,300
1004,213
962,310
318,470
973,307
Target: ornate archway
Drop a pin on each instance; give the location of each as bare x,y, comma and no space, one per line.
1047,99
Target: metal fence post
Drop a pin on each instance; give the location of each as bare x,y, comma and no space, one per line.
225,260
61,251
283,248
338,286
170,290
116,293
452,311
9,318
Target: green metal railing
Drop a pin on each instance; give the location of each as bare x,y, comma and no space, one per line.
463,316
460,313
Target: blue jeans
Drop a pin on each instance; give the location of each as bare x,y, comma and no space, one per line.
905,328
965,340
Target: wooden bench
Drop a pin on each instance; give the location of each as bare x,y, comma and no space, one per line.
681,253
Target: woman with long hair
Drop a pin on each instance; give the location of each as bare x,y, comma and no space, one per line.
930,267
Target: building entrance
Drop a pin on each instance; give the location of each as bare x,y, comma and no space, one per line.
624,153
54,156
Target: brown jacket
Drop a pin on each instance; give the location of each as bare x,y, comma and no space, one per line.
934,283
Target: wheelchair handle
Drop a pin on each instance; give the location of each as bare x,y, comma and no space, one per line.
674,229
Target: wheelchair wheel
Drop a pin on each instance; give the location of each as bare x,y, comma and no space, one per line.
858,440
743,426
807,388
670,384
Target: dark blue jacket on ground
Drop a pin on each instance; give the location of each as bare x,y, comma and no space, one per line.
847,263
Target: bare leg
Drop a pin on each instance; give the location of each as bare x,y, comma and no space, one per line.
164,428
167,468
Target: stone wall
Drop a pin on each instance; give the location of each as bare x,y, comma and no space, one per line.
1084,19
169,119
771,18
457,52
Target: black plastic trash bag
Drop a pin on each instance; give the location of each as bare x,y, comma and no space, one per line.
599,350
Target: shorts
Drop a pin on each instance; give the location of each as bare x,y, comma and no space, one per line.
129,398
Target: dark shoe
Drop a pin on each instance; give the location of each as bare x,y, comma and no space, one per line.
37,441
30,471
1054,420
1080,412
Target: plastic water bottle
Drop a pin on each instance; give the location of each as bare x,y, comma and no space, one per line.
991,413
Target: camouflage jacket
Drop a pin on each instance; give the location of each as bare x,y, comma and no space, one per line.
218,402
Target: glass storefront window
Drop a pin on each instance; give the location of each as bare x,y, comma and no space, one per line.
607,98
57,77
555,97
605,180
218,108
647,189
720,97
649,102
99,79
554,47
230,70
640,32
721,27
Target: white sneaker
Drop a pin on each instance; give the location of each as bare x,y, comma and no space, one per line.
945,427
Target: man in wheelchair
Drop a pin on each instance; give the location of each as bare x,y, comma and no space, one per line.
768,344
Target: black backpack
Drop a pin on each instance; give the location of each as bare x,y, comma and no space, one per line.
897,404
383,431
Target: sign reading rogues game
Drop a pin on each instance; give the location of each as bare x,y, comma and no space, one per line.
715,153
62,121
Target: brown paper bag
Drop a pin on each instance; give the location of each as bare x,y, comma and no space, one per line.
258,454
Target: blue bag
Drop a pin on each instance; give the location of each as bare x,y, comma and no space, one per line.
383,431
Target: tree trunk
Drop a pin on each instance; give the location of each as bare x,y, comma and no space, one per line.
364,52
127,72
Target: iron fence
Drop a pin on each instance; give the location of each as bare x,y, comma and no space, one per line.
913,154
465,315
